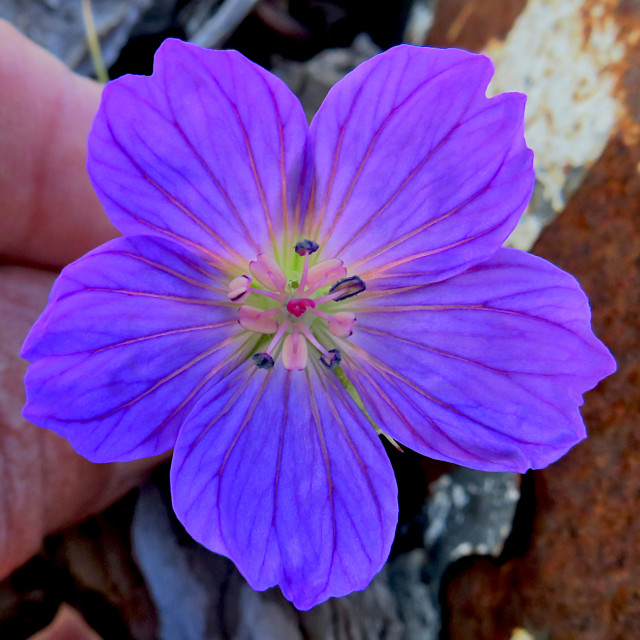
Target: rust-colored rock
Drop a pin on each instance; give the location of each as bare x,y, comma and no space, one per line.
470,24
580,577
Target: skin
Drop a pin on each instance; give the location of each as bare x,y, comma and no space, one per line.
49,216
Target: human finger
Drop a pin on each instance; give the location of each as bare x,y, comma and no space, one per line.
44,485
50,214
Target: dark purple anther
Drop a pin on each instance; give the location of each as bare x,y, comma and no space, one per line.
262,360
348,287
305,247
331,359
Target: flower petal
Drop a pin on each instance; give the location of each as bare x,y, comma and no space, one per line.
210,150
134,331
486,369
417,172
278,471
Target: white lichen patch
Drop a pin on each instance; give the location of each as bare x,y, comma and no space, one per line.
561,53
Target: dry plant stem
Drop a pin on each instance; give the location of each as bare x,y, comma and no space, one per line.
93,42
223,23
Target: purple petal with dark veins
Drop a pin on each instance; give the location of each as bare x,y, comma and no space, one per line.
134,332
417,172
280,472
211,150
486,369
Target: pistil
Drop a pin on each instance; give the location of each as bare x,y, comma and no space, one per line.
297,306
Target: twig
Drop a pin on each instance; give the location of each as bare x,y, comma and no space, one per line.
93,42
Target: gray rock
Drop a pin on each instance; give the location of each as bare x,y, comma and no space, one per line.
311,80
419,21
187,583
468,513
219,27
193,16
57,25
201,596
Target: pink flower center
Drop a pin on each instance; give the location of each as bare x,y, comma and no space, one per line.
294,310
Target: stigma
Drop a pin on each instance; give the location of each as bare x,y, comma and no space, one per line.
297,306
296,309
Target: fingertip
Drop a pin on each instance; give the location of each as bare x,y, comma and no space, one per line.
50,214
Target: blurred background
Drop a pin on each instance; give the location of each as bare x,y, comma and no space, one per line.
551,555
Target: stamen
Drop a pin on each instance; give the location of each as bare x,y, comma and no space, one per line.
320,314
281,331
258,320
347,288
305,247
331,359
294,352
324,272
239,288
268,294
297,306
262,360
310,337
305,274
268,272
341,324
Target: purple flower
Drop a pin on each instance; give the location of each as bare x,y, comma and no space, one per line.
281,293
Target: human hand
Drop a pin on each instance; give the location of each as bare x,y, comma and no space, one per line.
49,217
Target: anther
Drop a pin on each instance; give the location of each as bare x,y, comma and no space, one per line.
331,359
294,352
262,360
239,288
341,324
258,320
268,272
347,288
304,247
324,272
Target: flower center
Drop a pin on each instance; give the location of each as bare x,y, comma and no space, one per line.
298,312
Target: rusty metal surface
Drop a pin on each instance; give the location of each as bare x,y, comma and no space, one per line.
573,59
470,24
580,578
579,61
